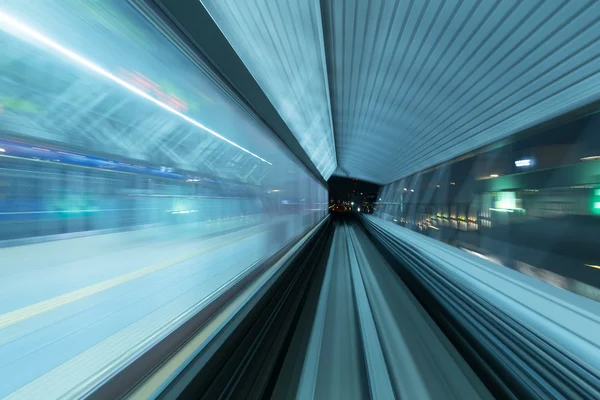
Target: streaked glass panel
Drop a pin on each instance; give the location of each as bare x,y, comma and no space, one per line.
134,191
106,64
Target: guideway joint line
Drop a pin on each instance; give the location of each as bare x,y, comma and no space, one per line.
380,384
310,370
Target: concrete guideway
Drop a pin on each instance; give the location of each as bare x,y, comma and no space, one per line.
372,339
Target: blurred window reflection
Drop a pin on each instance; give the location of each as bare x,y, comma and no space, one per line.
542,213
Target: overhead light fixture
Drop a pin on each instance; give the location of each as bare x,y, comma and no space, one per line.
405,189
590,158
452,183
412,190
494,175
2,150
523,163
12,26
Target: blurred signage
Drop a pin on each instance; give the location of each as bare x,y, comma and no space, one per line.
157,91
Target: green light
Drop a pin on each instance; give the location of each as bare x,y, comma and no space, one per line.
595,201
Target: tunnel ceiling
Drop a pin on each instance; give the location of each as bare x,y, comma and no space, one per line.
281,45
412,84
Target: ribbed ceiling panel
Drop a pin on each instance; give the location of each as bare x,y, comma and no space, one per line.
416,83
281,44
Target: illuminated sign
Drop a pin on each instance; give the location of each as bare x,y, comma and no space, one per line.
523,163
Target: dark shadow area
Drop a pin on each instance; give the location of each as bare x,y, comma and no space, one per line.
347,194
